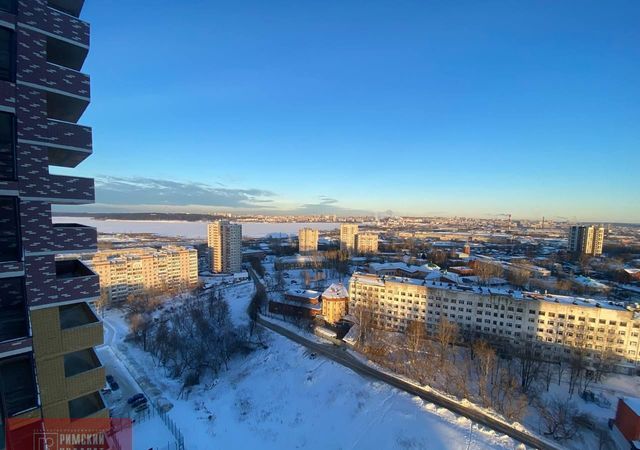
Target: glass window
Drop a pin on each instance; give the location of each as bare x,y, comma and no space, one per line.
9,232
7,54
17,387
7,147
8,5
13,312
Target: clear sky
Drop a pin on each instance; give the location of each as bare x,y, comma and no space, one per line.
419,107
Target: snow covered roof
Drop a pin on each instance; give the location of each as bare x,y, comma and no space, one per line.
335,291
633,403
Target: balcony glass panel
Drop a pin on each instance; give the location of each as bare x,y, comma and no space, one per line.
9,230
76,315
17,386
85,406
13,312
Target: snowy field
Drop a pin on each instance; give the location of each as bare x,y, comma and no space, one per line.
282,397
193,230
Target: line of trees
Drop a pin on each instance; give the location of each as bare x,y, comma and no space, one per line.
507,379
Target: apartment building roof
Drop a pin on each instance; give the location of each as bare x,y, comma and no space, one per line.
380,281
335,291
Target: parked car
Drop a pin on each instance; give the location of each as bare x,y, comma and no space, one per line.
110,379
115,386
135,398
142,407
139,402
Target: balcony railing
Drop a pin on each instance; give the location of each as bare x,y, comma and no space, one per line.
68,143
71,190
73,237
81,328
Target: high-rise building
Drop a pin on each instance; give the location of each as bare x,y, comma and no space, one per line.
307,240
348,232
367,243
586,240
48,328
134,271
225,241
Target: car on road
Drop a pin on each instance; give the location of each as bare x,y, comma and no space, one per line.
135,398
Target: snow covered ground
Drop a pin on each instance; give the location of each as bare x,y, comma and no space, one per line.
283,397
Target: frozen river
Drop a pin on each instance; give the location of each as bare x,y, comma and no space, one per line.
190,229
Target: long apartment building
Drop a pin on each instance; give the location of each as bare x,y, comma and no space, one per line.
48,329
135,271
225,241
307,240
367,243
553,324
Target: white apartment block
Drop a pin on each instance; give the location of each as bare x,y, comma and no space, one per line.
225,241
307,240
367,243
552,324
134,271
348,232
586,240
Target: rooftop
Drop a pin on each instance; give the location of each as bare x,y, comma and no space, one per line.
335,291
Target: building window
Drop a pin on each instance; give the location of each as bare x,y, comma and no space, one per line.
17,386
7,147
8,5
13,310
9,230
7,54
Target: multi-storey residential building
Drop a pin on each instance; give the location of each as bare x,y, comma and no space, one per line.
348,232
225,241
586,240
137,270
553,324
48,328
307,240
335,303
367,243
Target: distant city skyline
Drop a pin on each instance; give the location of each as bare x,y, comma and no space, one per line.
469,109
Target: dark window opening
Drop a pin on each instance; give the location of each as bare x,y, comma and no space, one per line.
17,385
7,146
7,54
8,5
9,230
13,311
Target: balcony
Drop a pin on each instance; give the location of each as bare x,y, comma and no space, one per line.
68,92
83,372
73,237
87,406
69,143
81,328
68,27
18,392
14,321
71,7
71,190
76,282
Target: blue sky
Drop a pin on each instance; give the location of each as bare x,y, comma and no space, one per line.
419,107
